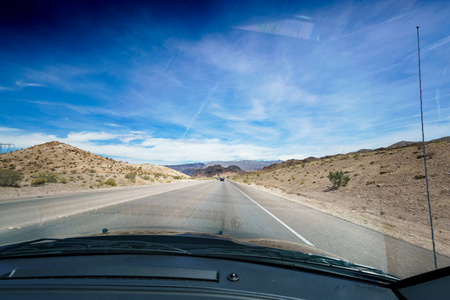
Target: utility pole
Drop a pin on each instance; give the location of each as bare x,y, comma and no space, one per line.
7,147
424,153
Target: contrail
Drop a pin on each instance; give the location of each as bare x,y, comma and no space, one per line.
202,106
437,94
431,47
372,26
436,44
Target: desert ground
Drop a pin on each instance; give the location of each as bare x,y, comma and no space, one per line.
386,192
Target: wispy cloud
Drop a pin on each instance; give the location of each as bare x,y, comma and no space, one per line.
74,79
149,149
6,88
256,112
27,84
112,125
219,92
81,109
10,130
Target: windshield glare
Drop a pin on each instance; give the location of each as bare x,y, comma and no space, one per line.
294,125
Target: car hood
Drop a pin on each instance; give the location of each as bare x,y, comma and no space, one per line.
264,242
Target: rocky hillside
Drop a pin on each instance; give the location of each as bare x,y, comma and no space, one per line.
386,190
56,162
217,170
403,144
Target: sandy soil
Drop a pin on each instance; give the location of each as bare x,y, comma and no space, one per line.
54,189
385,193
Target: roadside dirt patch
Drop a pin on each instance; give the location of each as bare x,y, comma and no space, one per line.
386,191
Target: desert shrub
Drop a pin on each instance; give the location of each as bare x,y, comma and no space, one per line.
49,177
63,180
38,181
131,176
145,177
10,177
111,182
177,177
158,175
419,177
338,179
92,171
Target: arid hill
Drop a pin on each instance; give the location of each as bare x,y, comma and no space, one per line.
72,168
217,170
386,191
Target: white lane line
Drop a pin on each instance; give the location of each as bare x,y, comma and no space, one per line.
281,222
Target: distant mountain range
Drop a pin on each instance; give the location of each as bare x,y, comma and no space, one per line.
187,169
246,165
217,170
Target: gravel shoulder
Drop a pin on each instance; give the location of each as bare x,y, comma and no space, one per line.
56,189
386,192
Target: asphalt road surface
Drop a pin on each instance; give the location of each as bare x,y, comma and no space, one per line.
210,207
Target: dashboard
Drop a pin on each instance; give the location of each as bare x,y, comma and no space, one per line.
173,277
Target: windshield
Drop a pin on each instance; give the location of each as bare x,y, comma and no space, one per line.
288,124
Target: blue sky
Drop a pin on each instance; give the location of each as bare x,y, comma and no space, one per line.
222,80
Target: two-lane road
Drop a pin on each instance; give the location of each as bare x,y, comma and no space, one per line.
210,207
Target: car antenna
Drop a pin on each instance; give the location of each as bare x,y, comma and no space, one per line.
424,153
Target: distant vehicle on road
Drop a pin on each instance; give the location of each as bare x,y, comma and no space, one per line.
222,178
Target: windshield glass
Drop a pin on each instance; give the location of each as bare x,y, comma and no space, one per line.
287,124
